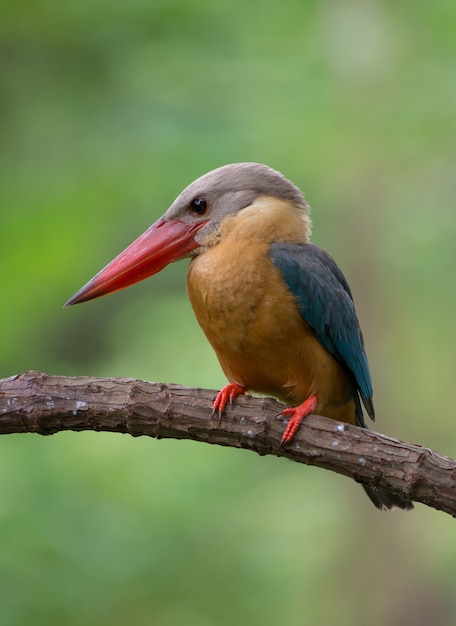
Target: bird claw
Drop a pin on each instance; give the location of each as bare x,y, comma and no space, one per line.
298,413
228,393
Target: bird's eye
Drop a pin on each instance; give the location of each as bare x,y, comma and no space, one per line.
198,206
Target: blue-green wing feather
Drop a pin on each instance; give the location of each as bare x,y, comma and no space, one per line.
326,304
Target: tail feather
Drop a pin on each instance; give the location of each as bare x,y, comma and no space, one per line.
385,499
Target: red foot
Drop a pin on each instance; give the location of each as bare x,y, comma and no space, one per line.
227,393
298,413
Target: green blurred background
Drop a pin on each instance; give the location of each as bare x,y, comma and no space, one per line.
107,110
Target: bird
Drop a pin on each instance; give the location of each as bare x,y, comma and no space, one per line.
275,307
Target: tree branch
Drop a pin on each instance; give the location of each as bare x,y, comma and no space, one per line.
38,403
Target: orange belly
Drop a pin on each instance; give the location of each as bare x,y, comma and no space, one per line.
251,320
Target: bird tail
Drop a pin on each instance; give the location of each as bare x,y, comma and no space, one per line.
383,499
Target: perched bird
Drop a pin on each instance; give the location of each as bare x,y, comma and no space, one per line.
276,309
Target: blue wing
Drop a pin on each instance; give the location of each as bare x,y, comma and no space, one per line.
326,304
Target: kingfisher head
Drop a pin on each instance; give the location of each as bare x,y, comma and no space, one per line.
194,221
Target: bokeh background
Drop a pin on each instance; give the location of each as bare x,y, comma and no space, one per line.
107,110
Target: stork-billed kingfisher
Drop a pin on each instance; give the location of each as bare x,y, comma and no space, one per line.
276,308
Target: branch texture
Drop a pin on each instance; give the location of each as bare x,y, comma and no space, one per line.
38,403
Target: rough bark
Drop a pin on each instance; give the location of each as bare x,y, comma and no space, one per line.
35,402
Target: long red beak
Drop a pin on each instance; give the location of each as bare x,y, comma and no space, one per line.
161,244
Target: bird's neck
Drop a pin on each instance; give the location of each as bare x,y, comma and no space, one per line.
267,220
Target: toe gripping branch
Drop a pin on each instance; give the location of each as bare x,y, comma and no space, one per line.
298,413
228,393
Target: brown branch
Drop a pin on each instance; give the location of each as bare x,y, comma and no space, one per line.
37,403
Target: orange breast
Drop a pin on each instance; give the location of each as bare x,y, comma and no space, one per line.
251,319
